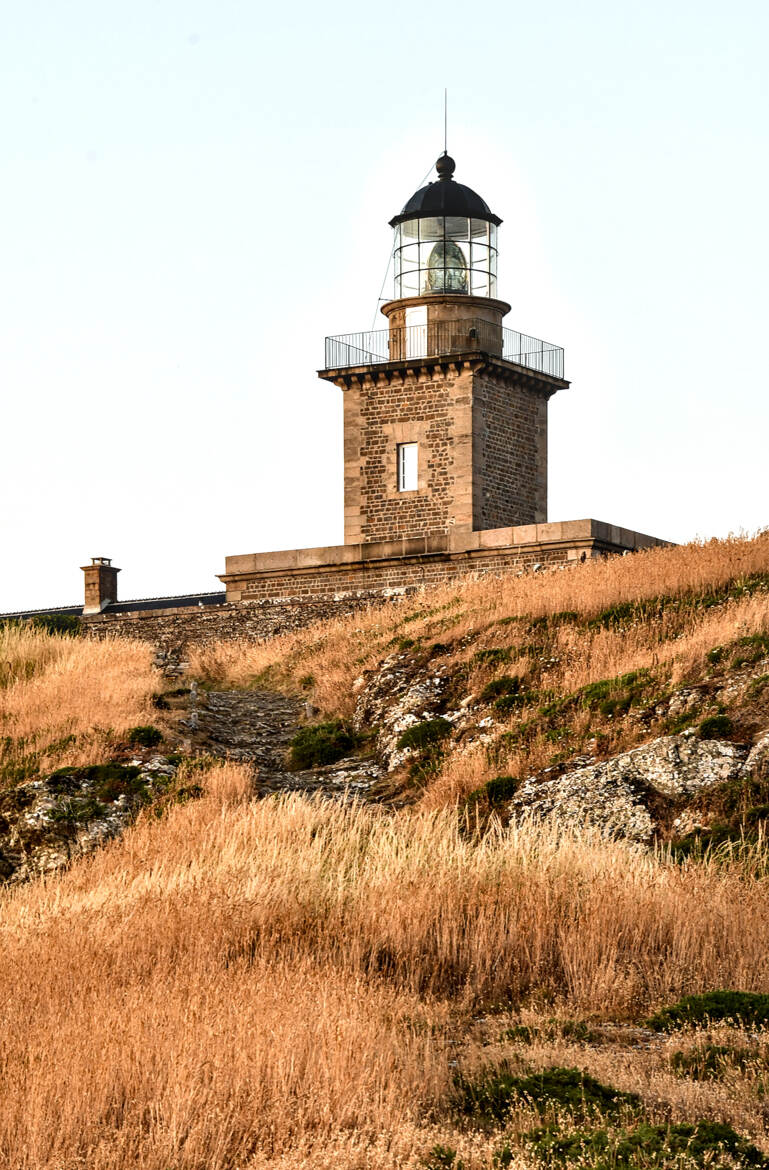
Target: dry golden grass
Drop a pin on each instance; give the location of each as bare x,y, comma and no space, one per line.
674,646
283,982
291,984
335,652
57,687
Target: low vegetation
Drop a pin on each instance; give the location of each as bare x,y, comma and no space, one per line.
590,660
238,984
320,744
295,983
745,1008
66,700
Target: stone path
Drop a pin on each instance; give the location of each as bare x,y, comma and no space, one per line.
257,727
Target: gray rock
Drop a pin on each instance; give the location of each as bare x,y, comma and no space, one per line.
610,795
394,698
757,763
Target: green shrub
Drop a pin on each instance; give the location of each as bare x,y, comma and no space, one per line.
644,1147
675,724
58,623
494,792
747,1008
513,702
107,781
321,744
708,841
188,792
498,654
710,1062
507,685
577,1031
160,702
491,1096
615,615
610,694
425,735
715,655
520,1034
77,811
716,727
749,649
144,736
734,801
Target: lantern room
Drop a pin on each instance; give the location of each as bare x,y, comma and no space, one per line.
445,241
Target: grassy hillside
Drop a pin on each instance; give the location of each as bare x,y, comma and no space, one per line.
292,983
246,981
592,653
65,700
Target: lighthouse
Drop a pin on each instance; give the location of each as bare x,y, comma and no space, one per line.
445,409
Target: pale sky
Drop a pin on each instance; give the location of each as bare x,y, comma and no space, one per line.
194,194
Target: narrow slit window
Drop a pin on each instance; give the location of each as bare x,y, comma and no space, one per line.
408,461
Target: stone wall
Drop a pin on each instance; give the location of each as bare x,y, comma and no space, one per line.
431,410
509,453
174,630
385,578
481,427
274,593
280,603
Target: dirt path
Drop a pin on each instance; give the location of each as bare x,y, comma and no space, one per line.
257,727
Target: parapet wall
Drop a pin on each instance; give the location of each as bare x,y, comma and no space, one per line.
390,565
172,631
274,593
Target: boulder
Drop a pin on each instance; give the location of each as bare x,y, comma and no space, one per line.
611,795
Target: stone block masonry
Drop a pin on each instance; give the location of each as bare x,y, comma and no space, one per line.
274,593
479,425
393,566
174,631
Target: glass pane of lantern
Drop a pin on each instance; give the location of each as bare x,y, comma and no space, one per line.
456,227
480,256
409,284
431,228
480,283
457,256
493,235
409,257
409,230
427,255
479,229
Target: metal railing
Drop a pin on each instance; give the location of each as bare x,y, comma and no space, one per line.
439,338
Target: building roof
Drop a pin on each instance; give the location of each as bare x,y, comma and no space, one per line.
445,197
181,602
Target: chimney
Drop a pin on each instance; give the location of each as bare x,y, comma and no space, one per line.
100,584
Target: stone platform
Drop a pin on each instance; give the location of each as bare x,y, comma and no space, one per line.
391,567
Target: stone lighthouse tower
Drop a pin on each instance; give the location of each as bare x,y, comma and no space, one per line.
445,410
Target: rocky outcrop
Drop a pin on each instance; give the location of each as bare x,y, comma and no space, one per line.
613,795
256,727
45,823
396,697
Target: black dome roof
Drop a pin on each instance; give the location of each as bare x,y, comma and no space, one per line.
445,197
